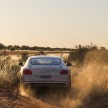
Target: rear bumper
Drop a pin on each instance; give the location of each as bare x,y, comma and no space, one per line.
46,84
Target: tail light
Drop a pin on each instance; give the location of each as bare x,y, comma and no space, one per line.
27,72
64,72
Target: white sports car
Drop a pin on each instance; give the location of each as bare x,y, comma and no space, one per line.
45,71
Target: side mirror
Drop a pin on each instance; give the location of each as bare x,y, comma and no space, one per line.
20,64
68,64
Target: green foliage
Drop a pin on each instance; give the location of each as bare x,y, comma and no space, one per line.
1,46
26,47
9,46
12,48
17,47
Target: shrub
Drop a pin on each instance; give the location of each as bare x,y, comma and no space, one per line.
78,55
24,56
89,82
9,71
1,46
12,48
98,56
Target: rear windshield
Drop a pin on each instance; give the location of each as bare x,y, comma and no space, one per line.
45,61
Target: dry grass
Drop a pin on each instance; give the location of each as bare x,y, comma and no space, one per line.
8,71
89,85
92,81
19,52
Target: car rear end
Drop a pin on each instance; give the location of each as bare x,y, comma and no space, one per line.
46,71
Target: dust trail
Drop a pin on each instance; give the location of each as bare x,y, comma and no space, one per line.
90,82
30,97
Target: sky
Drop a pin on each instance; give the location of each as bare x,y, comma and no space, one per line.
54,23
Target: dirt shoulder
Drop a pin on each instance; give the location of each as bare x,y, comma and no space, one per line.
8,100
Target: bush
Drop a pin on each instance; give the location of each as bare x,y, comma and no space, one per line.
90,82
12,48
1,46
98,56
78,55
24,56
9,71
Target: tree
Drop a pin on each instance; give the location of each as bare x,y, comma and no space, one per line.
24,56
34,48
24,47
1,46
12,48
9,46
103,48
17,47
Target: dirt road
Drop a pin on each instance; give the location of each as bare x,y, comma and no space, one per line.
8,100
45,98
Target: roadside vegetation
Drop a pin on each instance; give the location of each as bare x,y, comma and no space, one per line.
78,55
9,70
24,56
26,47
89,77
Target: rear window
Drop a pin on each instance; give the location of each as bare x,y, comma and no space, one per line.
45,61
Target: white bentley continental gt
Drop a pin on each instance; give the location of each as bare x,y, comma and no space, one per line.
45,71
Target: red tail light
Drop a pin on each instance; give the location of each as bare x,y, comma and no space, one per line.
27,72
64,72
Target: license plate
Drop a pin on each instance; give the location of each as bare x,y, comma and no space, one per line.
45,77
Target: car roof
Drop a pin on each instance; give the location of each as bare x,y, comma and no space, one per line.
44,56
